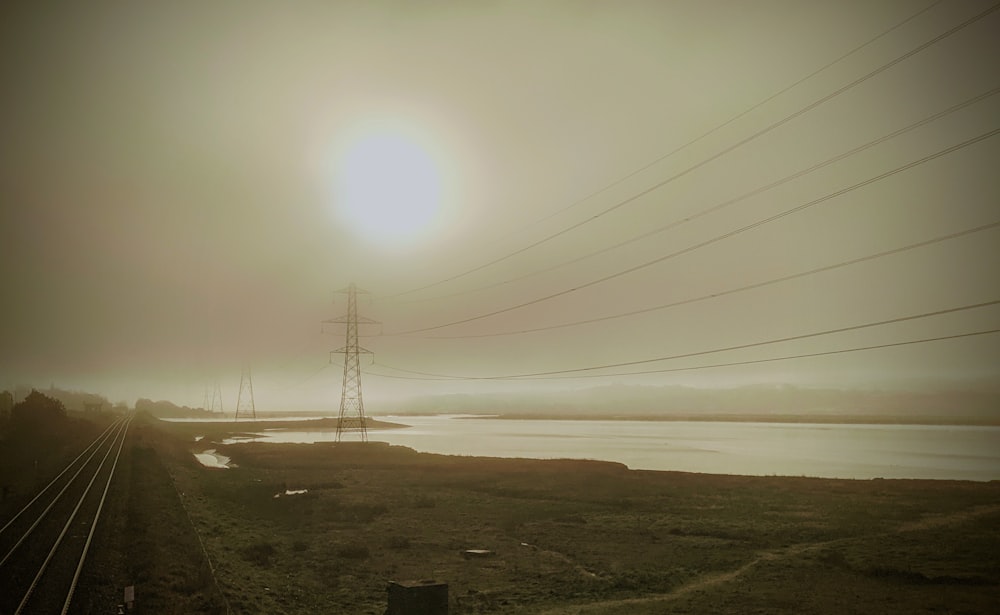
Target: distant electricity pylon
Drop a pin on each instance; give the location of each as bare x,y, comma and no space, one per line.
216,401
244,401
352,405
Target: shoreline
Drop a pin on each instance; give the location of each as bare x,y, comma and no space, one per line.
668,451
318,424
853,419
325,423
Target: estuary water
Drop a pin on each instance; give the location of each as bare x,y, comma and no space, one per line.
859,451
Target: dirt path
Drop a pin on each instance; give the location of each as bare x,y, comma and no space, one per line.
704,582
936,521
714,579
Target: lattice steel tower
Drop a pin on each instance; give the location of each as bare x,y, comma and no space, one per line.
244,401
216,406
352,404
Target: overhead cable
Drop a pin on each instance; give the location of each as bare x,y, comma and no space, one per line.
717,238
723,152
786,278
736,117
788,357
687,355
307,378
732,201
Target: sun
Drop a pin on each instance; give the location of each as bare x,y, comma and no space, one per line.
388,187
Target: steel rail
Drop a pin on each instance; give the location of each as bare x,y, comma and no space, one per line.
106,435
69,523
58,476
97,517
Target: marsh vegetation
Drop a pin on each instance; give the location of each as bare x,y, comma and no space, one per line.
581,536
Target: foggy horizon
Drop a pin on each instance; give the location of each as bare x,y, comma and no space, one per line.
656,194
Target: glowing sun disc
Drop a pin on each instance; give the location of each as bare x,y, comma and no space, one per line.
387,187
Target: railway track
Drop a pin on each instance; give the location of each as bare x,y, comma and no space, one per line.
43,547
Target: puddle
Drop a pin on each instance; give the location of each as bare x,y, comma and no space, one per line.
291,492
211,459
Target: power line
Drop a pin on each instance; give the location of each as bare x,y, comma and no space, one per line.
732,201
545,374
739,115
786,278
307,378
689,169
723,152
726,349
719,238
788,357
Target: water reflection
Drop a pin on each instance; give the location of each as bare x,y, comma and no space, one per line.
860,451
212,459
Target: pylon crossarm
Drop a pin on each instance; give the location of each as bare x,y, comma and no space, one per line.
345,320
345,349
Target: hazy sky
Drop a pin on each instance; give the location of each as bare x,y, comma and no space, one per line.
176,182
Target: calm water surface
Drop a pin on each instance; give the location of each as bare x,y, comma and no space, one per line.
792,449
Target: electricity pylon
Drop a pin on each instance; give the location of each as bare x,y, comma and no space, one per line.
216,397
352,405
244,401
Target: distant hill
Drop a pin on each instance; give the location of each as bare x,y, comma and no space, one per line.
79,400
168,410
758,401
72,400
